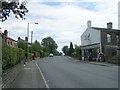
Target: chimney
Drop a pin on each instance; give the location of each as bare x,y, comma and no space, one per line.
89,24
6,33
109,25
26,39
19,38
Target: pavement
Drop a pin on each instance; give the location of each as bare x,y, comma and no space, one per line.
94,62
29,77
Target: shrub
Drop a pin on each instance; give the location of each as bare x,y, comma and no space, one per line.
11,56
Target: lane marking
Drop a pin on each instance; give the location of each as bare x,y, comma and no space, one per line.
42,75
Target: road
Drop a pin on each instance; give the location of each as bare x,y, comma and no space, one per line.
62,72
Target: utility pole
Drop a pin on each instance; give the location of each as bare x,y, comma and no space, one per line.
31,37
27,41
31,40
28,38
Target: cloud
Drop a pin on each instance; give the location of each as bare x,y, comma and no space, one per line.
63,20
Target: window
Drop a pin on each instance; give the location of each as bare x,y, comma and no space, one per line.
87,37
11,42
117,38
108,38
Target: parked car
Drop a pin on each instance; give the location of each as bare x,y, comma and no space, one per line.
51,55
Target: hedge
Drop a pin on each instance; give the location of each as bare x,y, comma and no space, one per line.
11,56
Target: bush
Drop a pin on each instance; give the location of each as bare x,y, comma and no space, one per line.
11,56
20,54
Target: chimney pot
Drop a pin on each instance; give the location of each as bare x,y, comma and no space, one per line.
109,25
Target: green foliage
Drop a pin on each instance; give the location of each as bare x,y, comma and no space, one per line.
74,52
71,50
65,50
36,47
21,44
77,52
6,61
11,56
49,45
56,53
20,54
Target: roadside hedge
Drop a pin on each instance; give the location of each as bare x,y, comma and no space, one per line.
11,56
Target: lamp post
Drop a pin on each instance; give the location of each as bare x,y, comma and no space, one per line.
28,37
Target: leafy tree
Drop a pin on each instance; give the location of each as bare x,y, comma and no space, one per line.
36,47
77,52
21,44
19,10
71,50
57,53
65,50
49,45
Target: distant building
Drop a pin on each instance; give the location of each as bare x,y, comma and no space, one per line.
97,40
9,41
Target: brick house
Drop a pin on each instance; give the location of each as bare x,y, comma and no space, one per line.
97,40
9,41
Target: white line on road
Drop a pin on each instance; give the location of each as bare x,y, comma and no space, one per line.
42,75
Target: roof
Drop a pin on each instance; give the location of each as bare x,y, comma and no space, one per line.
106,29
8,37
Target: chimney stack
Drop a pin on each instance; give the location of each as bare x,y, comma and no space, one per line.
89,24
109,25
6,33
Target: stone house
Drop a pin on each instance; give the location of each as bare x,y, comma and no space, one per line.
97,40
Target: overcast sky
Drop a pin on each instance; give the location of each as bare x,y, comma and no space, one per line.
63,20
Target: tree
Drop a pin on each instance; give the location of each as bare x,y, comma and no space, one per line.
65,50
71,50
77,52
19,10
49,45
36,47
21,44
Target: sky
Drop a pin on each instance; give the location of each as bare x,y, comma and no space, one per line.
63,20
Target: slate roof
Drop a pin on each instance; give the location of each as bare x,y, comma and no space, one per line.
106,29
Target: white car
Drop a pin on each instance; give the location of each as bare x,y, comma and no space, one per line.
51,55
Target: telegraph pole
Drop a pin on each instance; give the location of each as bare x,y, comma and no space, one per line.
31,37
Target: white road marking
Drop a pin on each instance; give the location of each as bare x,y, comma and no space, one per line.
42,75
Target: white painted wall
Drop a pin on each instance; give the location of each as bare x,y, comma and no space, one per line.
90,36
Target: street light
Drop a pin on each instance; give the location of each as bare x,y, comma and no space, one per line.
28,36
